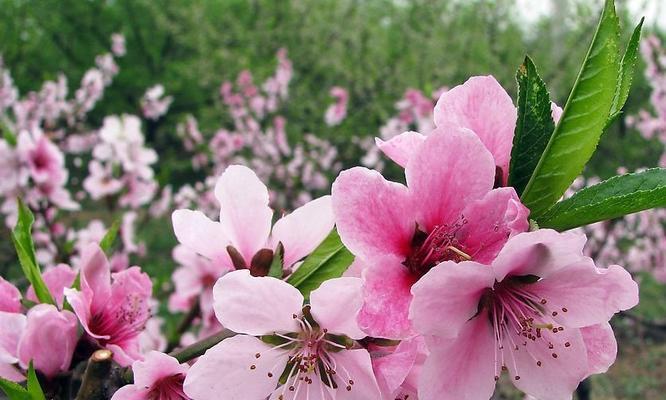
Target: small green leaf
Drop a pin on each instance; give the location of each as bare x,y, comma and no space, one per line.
25,249
110,236
534,126
34,388
276,265
627,67
577,134
615,197
330,260
14,391
9,137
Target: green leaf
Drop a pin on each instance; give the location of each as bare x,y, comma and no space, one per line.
329,260
534,126
615,197
25,249
14,391
110,236
627,67
34,388
276,265
9,137
576,136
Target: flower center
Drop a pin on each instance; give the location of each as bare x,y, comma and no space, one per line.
168,388
120,320
441,244
520,318
310,359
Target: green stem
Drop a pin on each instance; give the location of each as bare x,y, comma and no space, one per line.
197,349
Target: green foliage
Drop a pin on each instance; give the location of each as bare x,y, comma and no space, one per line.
576,136
110,236
25,249
330,260
14,391
277,264
534,126
627,67
615,197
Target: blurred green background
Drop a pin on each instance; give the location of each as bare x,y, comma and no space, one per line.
374,48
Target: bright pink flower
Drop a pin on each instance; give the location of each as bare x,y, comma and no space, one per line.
10,297
319,362
50,353
158,376
112,312
243,238
45,161
539,311
446,212
56,279
12,326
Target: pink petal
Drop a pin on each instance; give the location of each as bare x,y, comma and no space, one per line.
482,105
10,297
256,305
538,253
335,306
392,369
95,277
244,211
460,368
81,304
12,327
11,373
51,354
316,390
386,300
304,229
156,366
56,279
448,296
601,347
224,371
197,232
590,295
355,365
131,392
439,178
400,148
490,222
556,112
374,216
557,377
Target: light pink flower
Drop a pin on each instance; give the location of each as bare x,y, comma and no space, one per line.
112,312
319,363
446,212
12,326
56,279
539,311
158,376
243,237
337,112
118,44
49,339
10,297
398,369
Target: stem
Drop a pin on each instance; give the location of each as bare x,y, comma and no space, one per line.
94,384
198,348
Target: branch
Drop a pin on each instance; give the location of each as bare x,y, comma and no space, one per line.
197,349
94,384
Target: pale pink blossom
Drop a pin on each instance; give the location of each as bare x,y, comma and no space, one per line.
443,213
100,181
154,104
158,376
243,237
12,327
152,339
118,44
49,340
540,311
337,112
57,279
398,368
315,351
112,308
10,297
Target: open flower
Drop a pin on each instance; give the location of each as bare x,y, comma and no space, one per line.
10,297
540,311
112,312
311,347
445,212
243,238
158,376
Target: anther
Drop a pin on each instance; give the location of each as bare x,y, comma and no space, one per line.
554,355
257,355
564,309
567,344
253,366
517,378
270,375
538,363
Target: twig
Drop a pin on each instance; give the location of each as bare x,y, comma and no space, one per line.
196,349
94,384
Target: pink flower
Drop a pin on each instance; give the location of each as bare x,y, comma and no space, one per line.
56,279
243,237
12,326
540,311
10,297
337,112
118,44
397,369
50,353
313,345
158,376
446,212
112,312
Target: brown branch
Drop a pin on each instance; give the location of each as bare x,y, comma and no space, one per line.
94,385
197,349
